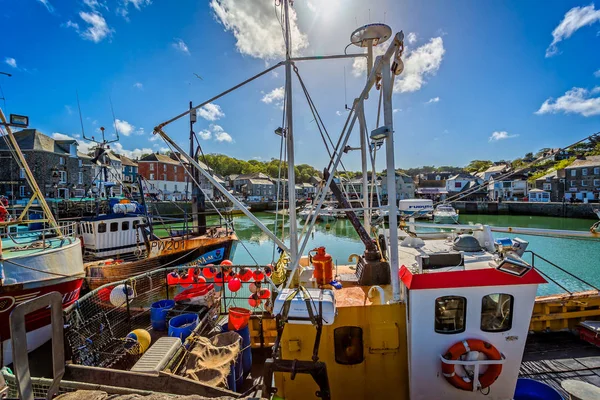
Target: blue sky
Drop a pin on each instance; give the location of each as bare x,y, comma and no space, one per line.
483,79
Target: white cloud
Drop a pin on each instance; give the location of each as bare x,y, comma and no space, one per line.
205,134
95,4
123,127
418,64
138,85
69,109
154,138
502,135
397,110
597,74
138,4
220,134
48,6
411,37
180,45
97,28
164,149
574,19
422,62
359,66
71,24
575,101
133,154
311,6
211,112
275,96
338,113
11,61
256,30
433,100
140,132
82,146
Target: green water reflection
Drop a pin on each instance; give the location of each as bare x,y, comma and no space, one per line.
579,256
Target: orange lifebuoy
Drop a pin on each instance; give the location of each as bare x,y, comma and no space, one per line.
461,348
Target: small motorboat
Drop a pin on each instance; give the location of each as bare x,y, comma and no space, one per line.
445,214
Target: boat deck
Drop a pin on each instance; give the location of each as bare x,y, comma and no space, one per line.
554,357
26,245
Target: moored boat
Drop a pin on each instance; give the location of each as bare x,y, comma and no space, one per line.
445,214
34,260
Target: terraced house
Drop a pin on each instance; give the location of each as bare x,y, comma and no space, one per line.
56,166
582,179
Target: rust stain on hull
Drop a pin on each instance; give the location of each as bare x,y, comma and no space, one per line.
165,253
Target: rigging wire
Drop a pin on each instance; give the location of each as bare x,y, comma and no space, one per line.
209,199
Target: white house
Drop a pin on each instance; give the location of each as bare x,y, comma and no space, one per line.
457,183
405,186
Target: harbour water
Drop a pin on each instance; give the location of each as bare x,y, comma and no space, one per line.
578,256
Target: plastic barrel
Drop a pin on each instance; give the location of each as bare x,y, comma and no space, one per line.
246,348
530,389
232,383
158,314
182,325
237,369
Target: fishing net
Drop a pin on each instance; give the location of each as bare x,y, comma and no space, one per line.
210,360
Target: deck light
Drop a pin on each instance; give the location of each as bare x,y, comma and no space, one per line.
514,265
279,131
380,133
21,121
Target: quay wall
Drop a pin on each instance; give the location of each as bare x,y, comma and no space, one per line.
565,210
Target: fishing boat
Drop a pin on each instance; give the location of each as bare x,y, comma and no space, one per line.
37,256
124,242
416,316
445,214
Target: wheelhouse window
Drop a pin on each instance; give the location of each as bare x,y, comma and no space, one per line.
114,226
496,312
101,227
125,226
450,314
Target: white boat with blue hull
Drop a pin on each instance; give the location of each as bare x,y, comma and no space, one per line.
445,214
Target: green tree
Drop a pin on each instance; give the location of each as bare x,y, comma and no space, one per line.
478,165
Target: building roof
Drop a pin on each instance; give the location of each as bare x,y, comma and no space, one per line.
496,168
536,191
553,174
83,156
31,139
462,175
127,161
254,175
260,181
160,158
590,161
113,156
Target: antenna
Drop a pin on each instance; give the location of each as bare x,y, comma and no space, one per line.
345,95
114,121
80,116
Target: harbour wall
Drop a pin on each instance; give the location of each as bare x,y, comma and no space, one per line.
565,210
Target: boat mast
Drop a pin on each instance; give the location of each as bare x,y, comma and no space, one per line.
388,120
198,198
289,136
31,180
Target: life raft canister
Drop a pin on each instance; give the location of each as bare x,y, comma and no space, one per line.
462,348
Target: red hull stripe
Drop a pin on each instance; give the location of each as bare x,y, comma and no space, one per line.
69,290
472,278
